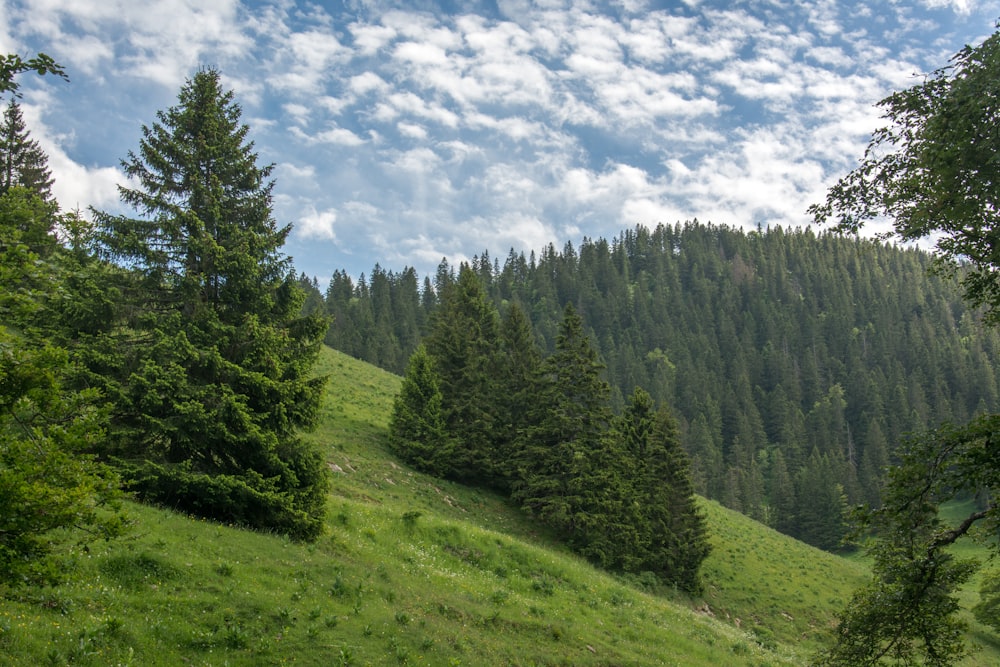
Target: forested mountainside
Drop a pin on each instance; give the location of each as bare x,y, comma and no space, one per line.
792,360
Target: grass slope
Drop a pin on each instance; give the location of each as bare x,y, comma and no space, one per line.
414,571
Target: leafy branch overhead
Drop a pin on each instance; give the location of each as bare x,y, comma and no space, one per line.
934,171
12,64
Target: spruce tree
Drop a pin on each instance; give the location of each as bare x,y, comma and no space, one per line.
417,430
516,375
464,344
680,537
22,161
559,458
672,531
47,484
209,370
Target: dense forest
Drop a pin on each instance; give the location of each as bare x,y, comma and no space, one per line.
792,360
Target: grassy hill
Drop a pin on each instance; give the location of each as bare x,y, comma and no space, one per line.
416,571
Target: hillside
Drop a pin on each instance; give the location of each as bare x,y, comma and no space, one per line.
790,359
415,571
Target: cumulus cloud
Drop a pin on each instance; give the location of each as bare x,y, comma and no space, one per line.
317,225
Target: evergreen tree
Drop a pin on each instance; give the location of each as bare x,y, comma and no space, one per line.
209,371
673,541
416,428
822,505
47,483
516,378
464,344
781,492
22,161
559,457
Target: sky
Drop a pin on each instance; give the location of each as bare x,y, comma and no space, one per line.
404,133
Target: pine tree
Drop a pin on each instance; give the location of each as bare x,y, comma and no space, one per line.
22,161
672,540
47,484
516,376
822,505
680,539
210,367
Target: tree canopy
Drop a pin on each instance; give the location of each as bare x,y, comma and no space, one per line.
22,161
933,170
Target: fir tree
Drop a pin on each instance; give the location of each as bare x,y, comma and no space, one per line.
679,542
516,375
210,367
559,457
672,535
47,484
22,161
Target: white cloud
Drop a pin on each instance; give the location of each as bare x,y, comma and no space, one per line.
339,136
412,130
369,39
162,42
317,225
405,135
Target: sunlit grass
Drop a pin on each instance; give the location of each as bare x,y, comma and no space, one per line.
415,571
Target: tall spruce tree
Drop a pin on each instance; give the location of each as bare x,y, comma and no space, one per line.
464,344
22,161
211,363
417,430
675,542
517,374
562,477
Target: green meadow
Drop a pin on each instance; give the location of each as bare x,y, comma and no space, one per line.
416,571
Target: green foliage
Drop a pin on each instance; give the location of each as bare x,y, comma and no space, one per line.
464,343
933,170
208,366
820,511
908,610
568,474
760,342
673,541
22,161
987,611
46,484
12,64
480,583
417,431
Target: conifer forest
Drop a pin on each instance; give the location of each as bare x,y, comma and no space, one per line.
792,360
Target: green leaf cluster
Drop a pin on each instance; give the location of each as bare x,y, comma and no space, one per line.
48,484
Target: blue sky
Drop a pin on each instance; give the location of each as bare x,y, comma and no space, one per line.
405,132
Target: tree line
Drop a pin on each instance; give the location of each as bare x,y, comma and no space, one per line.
791,360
